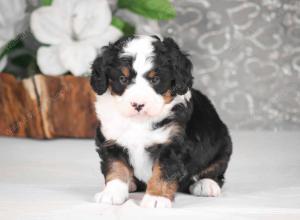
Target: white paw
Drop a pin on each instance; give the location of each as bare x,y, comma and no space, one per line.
114,193
150,201
205,187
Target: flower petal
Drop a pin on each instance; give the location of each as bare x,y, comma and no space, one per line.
91,17
3,63
50,26
49,62
10,23
6,34
11,11
110,35
77,57
66,6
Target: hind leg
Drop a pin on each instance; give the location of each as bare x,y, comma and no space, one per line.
210,180
205,187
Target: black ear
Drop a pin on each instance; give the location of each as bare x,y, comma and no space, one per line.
99,80
181,67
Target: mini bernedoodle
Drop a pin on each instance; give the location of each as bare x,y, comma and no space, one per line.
156,134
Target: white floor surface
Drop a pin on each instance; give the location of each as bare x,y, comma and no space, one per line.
57,179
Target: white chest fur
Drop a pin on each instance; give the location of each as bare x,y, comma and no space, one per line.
135,135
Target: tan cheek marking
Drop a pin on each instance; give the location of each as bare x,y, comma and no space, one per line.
125,71
111,91
168,96
110,88
159,187
118,170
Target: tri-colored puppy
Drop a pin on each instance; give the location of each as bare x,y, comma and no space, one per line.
156,132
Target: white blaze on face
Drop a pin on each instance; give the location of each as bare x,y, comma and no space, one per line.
141,49
140,92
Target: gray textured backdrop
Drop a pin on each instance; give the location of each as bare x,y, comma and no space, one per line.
246,57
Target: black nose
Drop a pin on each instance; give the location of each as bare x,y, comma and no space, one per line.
137,106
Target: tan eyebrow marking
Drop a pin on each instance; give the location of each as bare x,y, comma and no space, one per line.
125,71
151,74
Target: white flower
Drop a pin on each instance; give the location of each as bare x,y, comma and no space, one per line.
74,30
12,22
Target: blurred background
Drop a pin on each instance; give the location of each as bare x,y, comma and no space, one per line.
246,57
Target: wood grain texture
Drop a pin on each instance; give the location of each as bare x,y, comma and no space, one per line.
47,107
19,111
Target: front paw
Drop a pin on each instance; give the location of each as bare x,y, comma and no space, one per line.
114,193
150,201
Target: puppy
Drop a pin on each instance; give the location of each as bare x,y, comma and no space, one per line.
156,132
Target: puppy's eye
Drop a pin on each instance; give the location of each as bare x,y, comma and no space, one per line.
123,80
155,80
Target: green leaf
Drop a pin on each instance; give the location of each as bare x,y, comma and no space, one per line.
124,26
155,9
10,46
46,2
22,61
2,54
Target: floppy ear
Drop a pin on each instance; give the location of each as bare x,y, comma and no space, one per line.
181,67
98,78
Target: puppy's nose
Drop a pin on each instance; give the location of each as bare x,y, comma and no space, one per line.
137,106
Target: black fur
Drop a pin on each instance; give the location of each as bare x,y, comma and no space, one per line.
107,68
170,59
203,146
